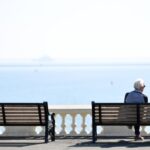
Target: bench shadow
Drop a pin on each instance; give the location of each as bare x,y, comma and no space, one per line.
109,143
18,144
20,141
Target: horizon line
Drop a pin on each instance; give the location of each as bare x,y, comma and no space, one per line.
73,64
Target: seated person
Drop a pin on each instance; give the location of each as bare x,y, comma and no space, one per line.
137,96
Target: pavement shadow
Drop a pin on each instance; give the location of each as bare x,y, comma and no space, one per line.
18,144
9,141
110,144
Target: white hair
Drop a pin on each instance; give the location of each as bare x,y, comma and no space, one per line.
138,84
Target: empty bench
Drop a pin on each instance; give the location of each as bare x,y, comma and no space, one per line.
28,114
119,114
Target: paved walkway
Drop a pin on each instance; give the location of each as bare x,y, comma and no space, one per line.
76,144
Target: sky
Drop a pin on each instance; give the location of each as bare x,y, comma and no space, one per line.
78,30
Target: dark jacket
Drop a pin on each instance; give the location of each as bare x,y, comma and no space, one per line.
145,97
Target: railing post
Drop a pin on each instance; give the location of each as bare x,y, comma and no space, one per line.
73,125
63,115
83,123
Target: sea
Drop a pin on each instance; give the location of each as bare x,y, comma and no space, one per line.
70,84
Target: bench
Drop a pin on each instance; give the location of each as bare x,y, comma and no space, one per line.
28,114
119,114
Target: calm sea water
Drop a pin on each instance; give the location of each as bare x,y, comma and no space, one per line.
70,84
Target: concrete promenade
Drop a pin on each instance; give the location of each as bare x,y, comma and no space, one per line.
76,144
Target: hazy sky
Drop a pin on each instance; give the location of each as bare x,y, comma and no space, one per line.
104,30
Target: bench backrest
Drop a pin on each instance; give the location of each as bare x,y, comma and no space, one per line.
120,114
23,114
145,114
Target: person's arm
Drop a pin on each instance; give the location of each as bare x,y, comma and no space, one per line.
145,98
125,97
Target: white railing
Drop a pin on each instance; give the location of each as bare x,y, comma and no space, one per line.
73,120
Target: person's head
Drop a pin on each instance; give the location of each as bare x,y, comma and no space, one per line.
139,85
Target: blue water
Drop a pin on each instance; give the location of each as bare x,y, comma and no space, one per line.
70,84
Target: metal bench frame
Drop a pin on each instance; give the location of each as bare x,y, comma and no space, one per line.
28,114
118,114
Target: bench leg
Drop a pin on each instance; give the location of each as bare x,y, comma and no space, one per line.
94,134
46,134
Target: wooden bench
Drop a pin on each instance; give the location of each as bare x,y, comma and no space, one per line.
28,114
119,114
